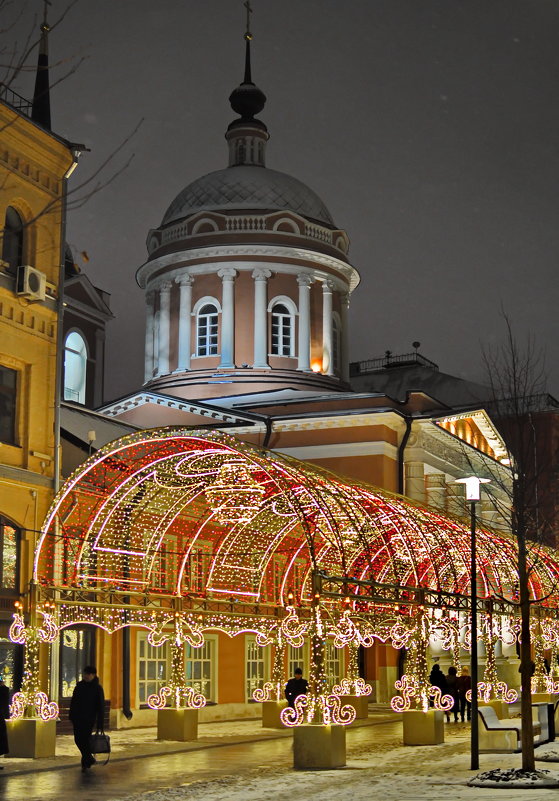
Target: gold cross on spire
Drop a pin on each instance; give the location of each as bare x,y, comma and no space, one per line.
248,34
45,25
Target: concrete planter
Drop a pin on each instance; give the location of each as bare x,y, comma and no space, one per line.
423,728
31,737
359,702
179,725
271,711
317,747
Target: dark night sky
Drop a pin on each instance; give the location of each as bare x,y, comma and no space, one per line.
428,127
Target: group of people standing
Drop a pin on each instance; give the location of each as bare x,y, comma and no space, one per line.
455,686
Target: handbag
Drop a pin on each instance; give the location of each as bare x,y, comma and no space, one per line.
100,743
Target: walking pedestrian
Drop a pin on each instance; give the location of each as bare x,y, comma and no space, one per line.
452,690
463,684
295,686
86,711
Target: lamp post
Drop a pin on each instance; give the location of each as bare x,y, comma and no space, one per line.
473,493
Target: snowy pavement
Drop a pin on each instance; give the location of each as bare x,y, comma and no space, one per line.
240,761
381,768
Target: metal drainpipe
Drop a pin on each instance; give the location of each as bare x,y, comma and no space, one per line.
267,436
126,711
401,450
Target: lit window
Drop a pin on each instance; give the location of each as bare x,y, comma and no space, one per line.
75,367
282,331
207,330
8,399
297,658
199,668
153,667
12,239
332,663
9,545
255,666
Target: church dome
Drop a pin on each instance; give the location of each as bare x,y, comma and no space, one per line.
248,187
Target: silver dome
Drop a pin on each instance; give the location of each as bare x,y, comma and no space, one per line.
247,187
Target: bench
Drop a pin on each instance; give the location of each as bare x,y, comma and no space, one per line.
500,735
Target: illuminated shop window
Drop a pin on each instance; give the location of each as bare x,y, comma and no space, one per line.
283,325
256,665
8,405
200,668
207,330
153,667
76,650
75,367
10,664
9,544
12,239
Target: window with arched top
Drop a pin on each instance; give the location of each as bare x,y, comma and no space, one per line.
75,367
336,343
12,239
283,330
207,330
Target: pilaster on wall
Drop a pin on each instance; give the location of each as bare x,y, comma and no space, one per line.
415,481
435,487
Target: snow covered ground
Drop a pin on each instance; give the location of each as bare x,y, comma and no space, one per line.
380,770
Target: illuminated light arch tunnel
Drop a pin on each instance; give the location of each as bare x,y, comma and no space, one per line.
198,514
182,531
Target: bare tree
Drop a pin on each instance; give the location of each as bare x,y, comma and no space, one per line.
17,59
519,405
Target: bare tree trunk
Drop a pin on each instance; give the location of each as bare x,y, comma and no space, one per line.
526,665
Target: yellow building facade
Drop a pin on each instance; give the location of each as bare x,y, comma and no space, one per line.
33,166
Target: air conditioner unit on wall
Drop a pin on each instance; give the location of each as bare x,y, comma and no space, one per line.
31,283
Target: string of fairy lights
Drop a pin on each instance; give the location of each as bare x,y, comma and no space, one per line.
199,517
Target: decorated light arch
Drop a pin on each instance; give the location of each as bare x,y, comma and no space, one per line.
181,532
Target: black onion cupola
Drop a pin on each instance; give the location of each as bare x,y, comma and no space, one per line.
246,135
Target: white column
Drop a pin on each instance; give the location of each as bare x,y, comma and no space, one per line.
344,334
227,276
304,355
327,329
149,353
185,323
260,277
164,327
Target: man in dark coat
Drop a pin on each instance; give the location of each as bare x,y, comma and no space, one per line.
86,711
295,686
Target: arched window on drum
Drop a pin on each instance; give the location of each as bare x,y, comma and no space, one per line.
282,327
75,367
207,330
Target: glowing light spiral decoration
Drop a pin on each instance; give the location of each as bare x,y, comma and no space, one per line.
413,696
183,697
326,709
31,701
292,629
234,496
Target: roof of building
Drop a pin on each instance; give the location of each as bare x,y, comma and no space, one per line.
245,187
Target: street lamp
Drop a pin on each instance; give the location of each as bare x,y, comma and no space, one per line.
473,493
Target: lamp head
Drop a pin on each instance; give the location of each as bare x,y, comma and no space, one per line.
473,490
